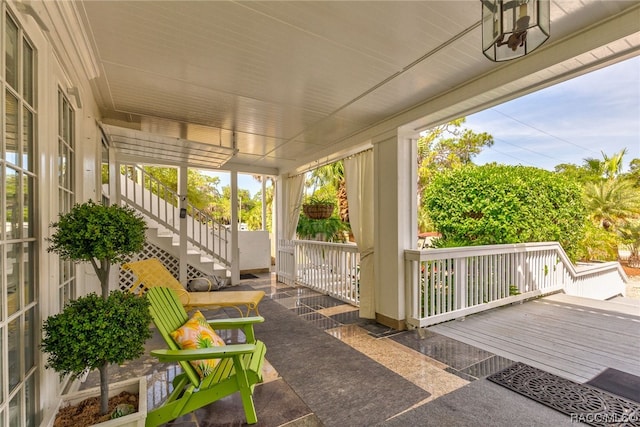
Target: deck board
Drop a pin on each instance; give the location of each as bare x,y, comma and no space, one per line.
565,339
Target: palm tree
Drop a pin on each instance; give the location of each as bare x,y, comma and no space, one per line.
612,201
630,234
613,165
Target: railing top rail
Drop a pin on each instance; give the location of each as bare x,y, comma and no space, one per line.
469,251
344,246
463,251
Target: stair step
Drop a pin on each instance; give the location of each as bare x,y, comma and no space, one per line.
610,305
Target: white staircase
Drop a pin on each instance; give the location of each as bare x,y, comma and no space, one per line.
208,243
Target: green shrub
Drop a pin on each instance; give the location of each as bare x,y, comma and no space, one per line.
92,331
484,205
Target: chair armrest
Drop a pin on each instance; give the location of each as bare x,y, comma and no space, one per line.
244,323
165,355
235,322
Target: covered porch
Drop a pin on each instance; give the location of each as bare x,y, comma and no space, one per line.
328,367
272,89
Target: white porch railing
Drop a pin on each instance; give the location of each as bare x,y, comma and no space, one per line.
443,284
159,203
330,268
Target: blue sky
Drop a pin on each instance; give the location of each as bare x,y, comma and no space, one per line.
568,122
565,123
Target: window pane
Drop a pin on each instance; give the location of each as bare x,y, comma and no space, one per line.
29,340
30,398
64,132
1,373
27,72
14,257
15,411
14,354
30,266
12,202
27,140
11,128
104,172
2,298
11,53
28,216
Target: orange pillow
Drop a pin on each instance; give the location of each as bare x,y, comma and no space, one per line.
196,333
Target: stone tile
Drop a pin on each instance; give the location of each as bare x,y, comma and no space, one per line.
454,353
303,309
421,370
269,373
339,309
310,420
302,291
345,332
320,301
276,404
376,329
461,374
320,321
290,302
488,366
280,295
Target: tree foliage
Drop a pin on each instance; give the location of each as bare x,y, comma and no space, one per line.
101,235
202,189
446,147
612,202
483,205
92,331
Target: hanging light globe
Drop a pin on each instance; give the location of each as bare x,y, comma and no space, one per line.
513,28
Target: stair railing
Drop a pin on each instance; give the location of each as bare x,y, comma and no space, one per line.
159,204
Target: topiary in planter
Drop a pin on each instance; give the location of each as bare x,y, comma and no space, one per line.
92,332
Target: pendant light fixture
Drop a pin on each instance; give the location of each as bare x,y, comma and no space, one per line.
513,28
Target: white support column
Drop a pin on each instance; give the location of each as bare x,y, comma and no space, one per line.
395,205
182,191
280,211
235,251
278,219
264,202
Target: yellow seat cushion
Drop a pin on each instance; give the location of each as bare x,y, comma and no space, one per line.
194,334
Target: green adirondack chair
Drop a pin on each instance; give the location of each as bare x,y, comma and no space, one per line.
239,368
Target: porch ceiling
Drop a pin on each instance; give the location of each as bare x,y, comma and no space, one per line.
294,83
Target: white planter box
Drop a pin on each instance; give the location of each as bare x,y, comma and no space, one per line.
134,385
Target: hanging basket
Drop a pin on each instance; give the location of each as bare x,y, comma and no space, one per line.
319,210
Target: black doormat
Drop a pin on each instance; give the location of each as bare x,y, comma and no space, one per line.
581,402
248,276
617,382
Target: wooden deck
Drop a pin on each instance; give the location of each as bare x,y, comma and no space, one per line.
557,334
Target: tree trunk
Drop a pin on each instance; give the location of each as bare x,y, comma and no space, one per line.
104,278
343,204
104,388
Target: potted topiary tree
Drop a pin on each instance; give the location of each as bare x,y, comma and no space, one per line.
94,331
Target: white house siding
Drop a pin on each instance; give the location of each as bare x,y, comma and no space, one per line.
30,277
